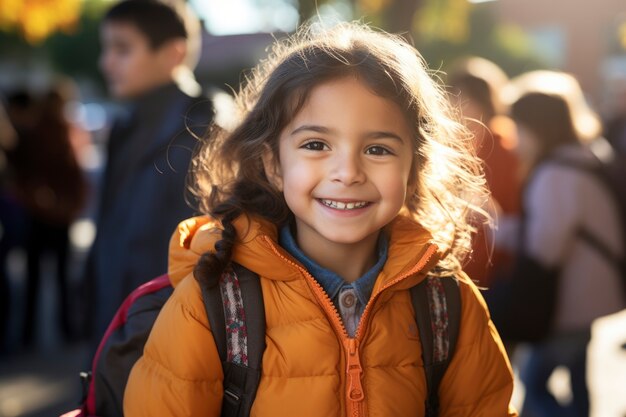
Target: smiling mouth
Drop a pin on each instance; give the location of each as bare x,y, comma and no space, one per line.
340,205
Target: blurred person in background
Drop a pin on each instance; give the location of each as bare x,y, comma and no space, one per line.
51,186
561,203
475,85
615,129
147,56
23,112
8,140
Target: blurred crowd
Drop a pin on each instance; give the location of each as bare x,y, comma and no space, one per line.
541,142
555,261
44,190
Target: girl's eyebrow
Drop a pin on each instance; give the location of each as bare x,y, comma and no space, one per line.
380,134
312,128
384,134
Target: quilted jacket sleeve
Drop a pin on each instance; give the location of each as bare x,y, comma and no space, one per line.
179,373
479,380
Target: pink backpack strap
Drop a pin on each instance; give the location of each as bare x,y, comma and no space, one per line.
120,318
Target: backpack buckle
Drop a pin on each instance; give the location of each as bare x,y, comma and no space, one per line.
85,380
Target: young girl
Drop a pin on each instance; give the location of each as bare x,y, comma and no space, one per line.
344,184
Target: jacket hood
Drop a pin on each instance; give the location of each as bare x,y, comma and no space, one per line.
259,251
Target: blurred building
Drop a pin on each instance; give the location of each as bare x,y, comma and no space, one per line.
222,58
586,38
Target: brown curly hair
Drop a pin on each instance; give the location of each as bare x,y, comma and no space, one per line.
228,174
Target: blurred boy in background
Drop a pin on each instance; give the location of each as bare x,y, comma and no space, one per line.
145,60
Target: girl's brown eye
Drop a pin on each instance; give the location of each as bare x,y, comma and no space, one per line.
377,150
314,146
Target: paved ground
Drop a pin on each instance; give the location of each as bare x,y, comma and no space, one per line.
43,381
41,384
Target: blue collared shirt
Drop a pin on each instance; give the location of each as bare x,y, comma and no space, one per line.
349,298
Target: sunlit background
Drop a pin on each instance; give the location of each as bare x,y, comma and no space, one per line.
39,37
42,39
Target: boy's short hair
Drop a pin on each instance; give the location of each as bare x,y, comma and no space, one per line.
157,21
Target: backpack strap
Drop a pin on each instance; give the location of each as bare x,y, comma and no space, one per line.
595,170
237,316
600,247
437,305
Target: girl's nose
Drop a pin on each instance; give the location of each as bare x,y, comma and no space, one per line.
348,169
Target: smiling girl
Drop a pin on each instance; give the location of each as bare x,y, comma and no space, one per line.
346,182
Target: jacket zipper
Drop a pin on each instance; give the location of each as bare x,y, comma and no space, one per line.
354,389
355,393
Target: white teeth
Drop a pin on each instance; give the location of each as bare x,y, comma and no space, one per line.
344,206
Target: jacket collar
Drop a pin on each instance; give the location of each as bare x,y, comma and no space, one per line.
258,250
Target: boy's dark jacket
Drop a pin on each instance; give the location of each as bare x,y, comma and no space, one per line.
143,194
310,367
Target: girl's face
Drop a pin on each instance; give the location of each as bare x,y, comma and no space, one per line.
345,162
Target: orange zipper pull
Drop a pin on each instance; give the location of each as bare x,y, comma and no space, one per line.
355,371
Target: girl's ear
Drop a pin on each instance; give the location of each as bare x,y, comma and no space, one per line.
412,184
272,168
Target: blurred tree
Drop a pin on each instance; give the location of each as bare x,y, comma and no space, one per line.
444,30
38,19
444,34
74,53
446,20
395,16
77,54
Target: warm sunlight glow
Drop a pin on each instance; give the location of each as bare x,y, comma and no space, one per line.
38,19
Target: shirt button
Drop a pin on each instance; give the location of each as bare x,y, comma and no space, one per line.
348,300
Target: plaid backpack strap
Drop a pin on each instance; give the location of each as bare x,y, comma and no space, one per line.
237,316
437,305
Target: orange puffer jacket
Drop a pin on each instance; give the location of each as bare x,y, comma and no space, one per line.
308,350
